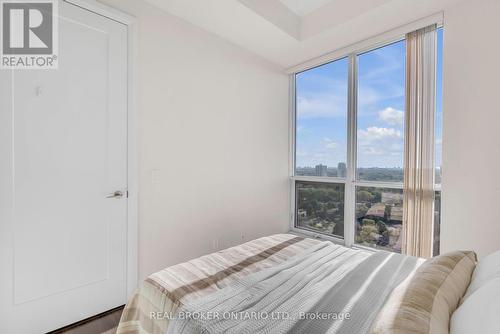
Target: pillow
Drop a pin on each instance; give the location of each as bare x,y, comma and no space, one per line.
426,303
486,270
479,312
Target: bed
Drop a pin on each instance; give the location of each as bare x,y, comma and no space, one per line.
289,284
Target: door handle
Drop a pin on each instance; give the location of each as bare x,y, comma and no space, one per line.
117,194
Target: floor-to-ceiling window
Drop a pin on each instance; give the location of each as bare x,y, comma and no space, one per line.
349,147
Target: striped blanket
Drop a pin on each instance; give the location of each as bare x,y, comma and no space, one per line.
326,289
282,273
156,301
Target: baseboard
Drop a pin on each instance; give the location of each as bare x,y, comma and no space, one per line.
84,321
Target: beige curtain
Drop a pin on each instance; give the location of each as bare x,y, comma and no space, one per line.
418,215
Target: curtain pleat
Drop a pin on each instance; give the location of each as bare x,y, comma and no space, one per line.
418,214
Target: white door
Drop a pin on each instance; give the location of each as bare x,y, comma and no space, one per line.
63,150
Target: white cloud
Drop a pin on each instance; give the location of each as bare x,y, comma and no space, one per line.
375,133
370,150
324,151
321,97
384,145
321,106
392,116
382,81
329,143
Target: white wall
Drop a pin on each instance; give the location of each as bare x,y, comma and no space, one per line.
213,129
471,133
213,125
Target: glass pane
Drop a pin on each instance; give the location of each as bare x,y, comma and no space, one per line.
379,216
320,207
439,105
381,103
437,223
321,124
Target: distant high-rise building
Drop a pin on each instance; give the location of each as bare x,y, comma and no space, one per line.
341,169
321,170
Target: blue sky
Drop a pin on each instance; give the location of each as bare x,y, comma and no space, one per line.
322,110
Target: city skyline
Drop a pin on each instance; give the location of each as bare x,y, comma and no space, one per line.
363,173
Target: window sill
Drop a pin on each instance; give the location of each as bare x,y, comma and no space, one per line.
322,237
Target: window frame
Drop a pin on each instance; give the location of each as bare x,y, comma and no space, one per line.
350,181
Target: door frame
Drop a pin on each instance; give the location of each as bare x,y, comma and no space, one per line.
132,157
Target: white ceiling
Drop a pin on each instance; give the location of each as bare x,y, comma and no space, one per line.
289,32
304,7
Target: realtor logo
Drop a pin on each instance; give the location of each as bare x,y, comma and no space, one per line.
29,34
